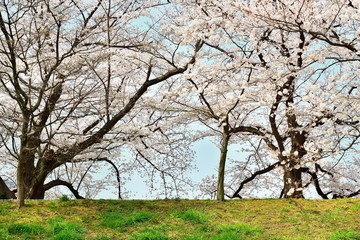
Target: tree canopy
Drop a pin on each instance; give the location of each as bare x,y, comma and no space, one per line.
84,82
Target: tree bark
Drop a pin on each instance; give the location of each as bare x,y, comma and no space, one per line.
252,177
315,180
221,172
26,169
292,179
117,176
20,184
59,182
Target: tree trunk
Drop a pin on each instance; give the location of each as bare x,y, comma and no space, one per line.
25,176
30,179
292,180
221,172
25,173
43,168
37,191
20,184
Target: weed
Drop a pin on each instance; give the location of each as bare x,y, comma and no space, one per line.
4,234
230,230
4,208
292,238
312,211
191,216
284,210
67,227
205,228
26,228
88,219
149,234
53,206
345,235
197,237
356,207
65,235
329,217
227,236
139,217
115,220
64,198
63,230
112,220
292,219
103,238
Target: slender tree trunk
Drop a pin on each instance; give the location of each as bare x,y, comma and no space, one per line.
20,184
221,172
292,180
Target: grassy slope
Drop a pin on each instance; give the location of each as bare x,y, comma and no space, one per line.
182,219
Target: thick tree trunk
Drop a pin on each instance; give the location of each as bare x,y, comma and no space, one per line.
25,176
292,169
43,168
292,180
37,190
30,179
221,172
25,173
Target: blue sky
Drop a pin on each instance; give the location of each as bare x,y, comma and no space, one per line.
206,159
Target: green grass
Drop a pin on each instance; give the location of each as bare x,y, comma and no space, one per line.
182,219
345,235
26,229
191,215
62,230
149,234
121,222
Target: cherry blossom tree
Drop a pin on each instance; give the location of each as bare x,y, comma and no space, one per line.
309,53
83,82
73,75
296,65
